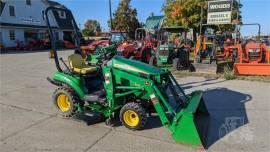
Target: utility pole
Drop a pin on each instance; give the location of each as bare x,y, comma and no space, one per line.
110,8
238,12
201,18
237,22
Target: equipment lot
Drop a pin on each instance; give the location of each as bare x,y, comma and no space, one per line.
239,111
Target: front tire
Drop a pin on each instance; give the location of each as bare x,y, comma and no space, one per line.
133,116
65,100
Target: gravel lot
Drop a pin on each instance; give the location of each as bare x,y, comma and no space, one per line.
240,115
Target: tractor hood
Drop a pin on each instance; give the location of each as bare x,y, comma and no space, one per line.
135,66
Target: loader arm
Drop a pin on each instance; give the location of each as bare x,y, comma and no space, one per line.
182,120
177,111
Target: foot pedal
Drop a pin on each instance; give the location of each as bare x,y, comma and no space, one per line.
96,97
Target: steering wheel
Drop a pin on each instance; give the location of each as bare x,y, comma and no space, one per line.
104,58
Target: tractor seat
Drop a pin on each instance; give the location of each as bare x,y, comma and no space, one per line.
78,65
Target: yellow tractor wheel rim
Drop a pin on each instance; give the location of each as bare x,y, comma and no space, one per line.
131,118
63,103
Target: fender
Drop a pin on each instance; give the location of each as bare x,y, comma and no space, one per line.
76,83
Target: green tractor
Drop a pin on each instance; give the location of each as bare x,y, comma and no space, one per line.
172,48
127,89
93,58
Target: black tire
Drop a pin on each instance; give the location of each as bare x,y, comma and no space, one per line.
72,99
139,113
145,52
153,61
131,57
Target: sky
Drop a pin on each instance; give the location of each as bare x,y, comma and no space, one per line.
253,11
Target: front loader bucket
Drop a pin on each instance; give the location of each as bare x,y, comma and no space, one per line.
252,68
192,122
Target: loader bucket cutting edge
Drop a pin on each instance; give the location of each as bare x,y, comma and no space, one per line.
192,126
252,69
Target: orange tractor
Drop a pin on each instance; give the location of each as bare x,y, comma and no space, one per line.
251,57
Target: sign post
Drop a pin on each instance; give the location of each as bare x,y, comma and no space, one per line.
219,12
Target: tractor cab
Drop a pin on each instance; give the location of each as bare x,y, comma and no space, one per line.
172,45
118,36
208,47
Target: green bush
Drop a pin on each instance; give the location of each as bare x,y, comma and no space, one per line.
228,73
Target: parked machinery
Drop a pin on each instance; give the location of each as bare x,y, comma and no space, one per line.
141,49
119,87
172,48
205,54
251,57
116,37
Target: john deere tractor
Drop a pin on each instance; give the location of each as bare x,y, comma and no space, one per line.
172,48
124,88
93,58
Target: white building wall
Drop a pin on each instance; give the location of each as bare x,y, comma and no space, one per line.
61,35
19,35
26,14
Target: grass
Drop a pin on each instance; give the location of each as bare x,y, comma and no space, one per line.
225,71
228,73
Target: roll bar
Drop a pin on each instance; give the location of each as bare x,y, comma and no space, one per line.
51,35
252,24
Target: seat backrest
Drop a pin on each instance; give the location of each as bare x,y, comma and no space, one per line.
76,61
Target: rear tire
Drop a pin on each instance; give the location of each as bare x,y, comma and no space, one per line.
65,100
133,116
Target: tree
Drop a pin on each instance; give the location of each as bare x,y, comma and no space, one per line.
125,18
187,13
91,28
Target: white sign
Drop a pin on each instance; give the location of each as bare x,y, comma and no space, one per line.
219,12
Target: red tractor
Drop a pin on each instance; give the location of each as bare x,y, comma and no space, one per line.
90,48
140,49
252,58
116,36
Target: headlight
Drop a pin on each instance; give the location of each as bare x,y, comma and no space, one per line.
253,50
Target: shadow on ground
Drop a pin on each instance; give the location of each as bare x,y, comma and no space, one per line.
201,83
226,108
227,112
